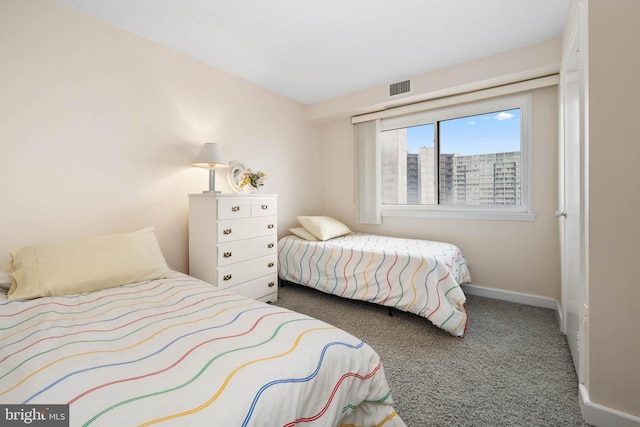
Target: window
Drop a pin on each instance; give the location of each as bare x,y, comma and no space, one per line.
464,161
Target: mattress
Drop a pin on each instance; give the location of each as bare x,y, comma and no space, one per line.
417,276
180,352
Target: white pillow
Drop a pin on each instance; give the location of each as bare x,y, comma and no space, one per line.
323,227
302,233
86,265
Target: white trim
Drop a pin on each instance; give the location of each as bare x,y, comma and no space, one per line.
600,415
559,317
521,101
517,297
463,98
423,212
584,42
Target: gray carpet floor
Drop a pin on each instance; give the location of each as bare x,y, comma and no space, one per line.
512,368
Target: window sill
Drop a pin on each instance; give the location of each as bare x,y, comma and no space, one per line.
475,215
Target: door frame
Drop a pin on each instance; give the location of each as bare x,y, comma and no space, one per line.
576,43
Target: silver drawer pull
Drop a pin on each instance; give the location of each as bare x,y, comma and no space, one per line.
270,245
271,264
227,277
270,226
235,208
264,207
226,231
227,255
271,284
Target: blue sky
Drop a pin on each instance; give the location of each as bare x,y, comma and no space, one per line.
497,132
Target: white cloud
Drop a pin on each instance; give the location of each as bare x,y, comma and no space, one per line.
503,116
472,122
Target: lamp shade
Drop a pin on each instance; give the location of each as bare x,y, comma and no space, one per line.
210,156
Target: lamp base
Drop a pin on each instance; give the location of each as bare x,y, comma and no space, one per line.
212,181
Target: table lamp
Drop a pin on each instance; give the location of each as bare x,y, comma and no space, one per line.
210,156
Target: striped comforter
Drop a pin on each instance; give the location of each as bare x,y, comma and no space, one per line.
418,276
179,352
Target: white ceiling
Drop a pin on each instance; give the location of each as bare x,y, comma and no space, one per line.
311,50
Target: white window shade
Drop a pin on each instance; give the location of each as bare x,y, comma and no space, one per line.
367,159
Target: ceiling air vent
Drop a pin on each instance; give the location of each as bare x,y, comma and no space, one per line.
400,88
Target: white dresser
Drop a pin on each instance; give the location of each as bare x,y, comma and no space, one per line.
233,243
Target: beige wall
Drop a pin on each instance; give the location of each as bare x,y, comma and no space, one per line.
509,255
614,204
98,129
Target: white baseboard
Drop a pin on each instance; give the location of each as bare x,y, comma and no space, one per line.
520,298
603,416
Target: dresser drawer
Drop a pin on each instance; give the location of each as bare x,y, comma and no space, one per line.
238,229
242,250
263,289
240,272
264,206
234,208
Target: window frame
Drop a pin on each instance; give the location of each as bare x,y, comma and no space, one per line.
521,212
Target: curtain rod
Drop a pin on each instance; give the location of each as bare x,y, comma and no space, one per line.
460,98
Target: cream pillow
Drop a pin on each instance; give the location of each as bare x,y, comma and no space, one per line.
323,227
86,265
303,234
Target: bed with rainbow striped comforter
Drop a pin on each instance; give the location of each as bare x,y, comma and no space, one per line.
180,352
417,276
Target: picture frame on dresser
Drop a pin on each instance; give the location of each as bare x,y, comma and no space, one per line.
233,242
235,173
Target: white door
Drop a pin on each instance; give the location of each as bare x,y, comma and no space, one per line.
571,213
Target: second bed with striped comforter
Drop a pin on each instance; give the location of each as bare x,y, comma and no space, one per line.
417,276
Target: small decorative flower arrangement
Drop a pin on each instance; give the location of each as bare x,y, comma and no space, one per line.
252,180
